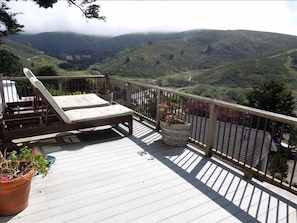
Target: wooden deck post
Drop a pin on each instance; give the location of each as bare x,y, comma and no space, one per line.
159,101
60,87
128,95
211,130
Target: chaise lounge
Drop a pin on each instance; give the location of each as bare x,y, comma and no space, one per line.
49,116
68,102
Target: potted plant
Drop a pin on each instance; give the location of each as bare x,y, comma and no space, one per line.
174,130
16,173
106,93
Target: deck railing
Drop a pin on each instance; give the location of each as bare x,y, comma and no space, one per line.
260,143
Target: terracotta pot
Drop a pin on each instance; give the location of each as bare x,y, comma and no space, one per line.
175,134
14,194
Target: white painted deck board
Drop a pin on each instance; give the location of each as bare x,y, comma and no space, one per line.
105,177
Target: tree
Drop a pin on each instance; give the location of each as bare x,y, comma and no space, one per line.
10,64
272,96
278,166
47,71
209,50
9,25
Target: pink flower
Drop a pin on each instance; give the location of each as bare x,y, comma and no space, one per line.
4,178
34,151
165,105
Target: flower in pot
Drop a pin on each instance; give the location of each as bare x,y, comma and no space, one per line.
174,130
16,173
171,112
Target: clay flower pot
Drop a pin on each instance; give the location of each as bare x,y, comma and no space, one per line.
14,194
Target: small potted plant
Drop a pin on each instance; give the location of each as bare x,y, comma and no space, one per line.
106,93
16,173
174,130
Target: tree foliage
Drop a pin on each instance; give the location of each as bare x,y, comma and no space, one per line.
278,165
47,71
10,64
272,96
9,24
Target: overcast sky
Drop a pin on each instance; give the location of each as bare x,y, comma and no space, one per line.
124,17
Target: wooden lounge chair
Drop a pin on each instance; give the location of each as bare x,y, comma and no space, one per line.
48,117
82,115
68,102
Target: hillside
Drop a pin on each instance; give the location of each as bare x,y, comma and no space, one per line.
29,56
224,58
237,58
90,49
33,58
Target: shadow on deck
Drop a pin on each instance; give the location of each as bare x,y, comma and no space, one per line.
103,176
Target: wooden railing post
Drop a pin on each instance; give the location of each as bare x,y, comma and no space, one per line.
60,87
211,130
128,95
159,101
2,94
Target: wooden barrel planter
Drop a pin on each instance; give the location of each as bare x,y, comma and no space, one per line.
175,134
15,194
108,97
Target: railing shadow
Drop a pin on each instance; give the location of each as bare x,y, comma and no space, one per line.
247,200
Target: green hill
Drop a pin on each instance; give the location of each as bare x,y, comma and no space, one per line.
90,49
224,58
29,56
33,58
238,58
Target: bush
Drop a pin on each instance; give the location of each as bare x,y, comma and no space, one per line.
278,166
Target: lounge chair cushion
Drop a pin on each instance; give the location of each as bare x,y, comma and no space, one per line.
68,102
95,113
28,73
38,85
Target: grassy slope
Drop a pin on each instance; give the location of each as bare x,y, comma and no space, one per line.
34,59
207,57
222,58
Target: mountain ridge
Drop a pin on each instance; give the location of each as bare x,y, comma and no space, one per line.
216,57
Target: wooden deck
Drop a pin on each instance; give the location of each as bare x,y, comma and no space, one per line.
103,176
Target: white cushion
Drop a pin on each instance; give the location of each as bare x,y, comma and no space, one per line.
37,84
28,73
95,113
67,102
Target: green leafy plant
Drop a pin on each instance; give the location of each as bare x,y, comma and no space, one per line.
14,164
278,166
104,90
